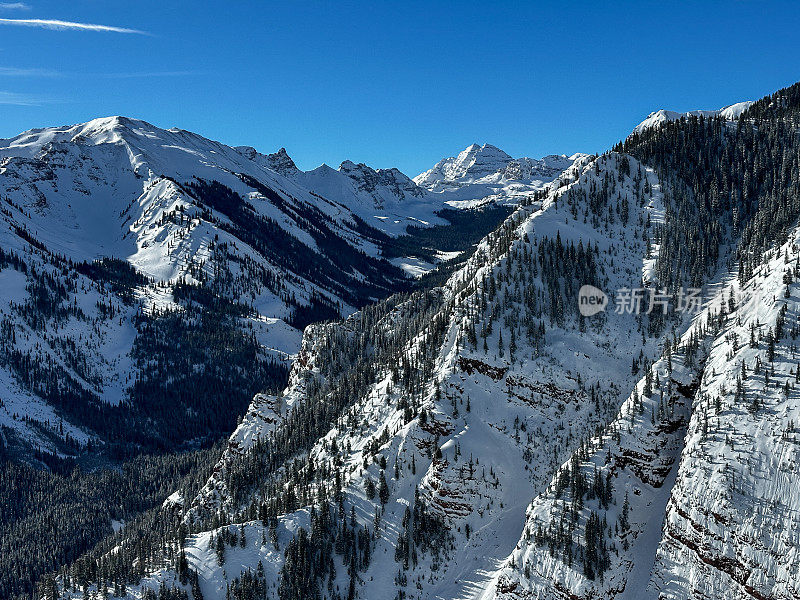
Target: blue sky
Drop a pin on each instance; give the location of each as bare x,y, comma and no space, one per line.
390,84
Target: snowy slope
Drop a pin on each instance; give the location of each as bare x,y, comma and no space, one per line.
654,119
499,419
623,477
179,209
385,198
737,535
482,440
290,246
711,449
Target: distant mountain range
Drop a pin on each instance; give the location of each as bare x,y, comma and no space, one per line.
144,219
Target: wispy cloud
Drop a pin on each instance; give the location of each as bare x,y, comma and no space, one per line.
146,74
15,99
68,26
17,72
14,6
50,74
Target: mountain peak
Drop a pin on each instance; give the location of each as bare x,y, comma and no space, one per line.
116,123
489,165
472,163
349,165
282,162
279,161
492,148
485,149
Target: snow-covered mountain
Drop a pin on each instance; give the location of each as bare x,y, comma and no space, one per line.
385,198
113,227
471,164
83,163
491,170
706,438
474,403
167,212
485,440
670,500
654,119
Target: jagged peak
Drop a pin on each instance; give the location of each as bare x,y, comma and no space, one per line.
349,165
485,149
324,168
490,164
371,180
282,162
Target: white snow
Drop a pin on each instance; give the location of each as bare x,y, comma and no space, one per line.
414,267
654,119
538,390
481,174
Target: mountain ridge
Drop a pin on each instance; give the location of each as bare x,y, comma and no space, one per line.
656,118
166,212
